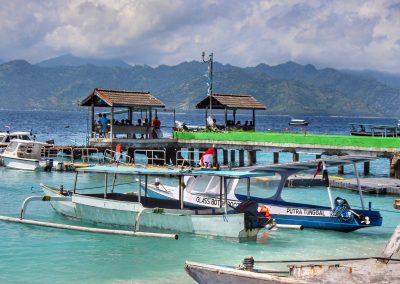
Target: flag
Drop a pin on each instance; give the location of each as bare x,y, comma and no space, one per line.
317,169
8,126
207,157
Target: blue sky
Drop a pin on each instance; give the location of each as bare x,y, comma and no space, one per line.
348,34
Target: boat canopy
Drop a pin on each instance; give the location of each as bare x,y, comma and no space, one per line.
249,172
291,168
171,172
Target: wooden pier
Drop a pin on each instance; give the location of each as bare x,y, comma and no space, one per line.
370,185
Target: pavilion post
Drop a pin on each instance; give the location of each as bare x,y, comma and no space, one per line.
93,127
234,116
130,114
254,118
226,117
111,122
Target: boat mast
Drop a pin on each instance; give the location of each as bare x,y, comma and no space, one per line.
209,61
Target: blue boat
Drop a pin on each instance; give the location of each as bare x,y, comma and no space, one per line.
207,190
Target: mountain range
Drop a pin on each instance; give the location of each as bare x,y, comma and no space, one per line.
288,88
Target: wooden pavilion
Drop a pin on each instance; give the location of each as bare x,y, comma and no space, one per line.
232,102
122,102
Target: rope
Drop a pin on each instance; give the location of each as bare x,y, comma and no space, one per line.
327,260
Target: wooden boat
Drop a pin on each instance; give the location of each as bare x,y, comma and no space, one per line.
132,210
382,269
203,190
24,155
298,122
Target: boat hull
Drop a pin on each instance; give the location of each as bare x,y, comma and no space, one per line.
21,164
206,273
124,213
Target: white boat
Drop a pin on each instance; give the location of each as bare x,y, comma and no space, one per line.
6,137
204,191
24,155
133,210
381,269
298,122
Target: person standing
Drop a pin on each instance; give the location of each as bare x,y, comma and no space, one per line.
156,123
104,122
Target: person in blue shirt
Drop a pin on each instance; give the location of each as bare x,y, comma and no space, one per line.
104,122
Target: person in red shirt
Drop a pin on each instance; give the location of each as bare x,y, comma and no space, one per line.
156,123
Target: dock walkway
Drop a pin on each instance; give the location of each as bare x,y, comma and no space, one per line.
371,185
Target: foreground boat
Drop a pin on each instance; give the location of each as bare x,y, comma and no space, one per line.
24,155
132,210
203,190
382,269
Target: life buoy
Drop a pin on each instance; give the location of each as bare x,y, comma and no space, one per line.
264,209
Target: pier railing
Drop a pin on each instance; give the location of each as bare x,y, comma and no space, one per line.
145,156
86,154
188,157
111,156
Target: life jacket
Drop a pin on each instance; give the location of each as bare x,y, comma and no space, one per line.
264,209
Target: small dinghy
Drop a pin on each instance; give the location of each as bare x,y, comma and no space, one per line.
298,122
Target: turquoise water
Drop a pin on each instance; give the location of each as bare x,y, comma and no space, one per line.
43,255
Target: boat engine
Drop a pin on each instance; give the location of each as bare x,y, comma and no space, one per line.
342,210
252,218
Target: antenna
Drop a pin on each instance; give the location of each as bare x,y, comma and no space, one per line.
209,61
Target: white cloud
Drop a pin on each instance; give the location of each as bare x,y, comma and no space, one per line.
342,34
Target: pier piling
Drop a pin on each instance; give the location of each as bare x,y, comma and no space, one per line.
340,170
276,157
241,158
366,168
225,156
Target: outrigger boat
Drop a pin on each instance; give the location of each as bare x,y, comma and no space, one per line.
203,190
377,269
111,207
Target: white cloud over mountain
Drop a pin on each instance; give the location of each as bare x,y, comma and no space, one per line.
343,34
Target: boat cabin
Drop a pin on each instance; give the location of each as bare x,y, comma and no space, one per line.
6,137
25,149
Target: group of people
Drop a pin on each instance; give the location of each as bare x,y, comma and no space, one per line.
103,126
238,125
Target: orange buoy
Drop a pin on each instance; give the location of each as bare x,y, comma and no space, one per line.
264,209
396,204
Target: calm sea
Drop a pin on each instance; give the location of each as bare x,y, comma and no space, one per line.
40,255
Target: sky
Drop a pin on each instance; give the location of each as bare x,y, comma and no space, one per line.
343,34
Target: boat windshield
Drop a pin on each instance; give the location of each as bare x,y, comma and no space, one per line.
1,138
208,185
12,146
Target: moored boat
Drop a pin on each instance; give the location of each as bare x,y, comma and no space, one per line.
203,190
381,269
298,122
132,210
24,155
